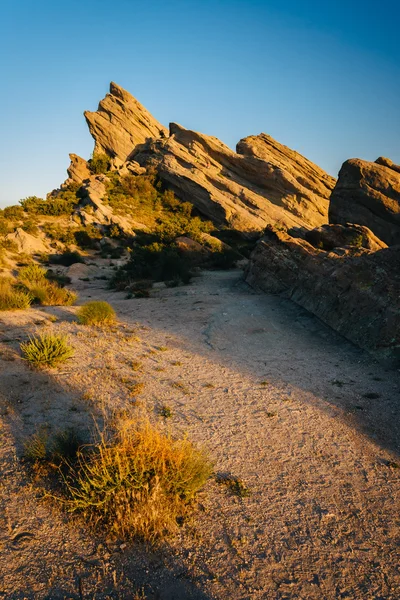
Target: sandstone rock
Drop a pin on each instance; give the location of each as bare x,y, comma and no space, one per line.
26,242
368,194
353,290
241,191
78,170
120,123
328,237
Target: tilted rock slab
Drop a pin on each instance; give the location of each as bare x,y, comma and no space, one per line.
368,193
243,191
120,123
78,171
354,291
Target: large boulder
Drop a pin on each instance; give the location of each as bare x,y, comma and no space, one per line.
368,193
243,191
120,123
352,289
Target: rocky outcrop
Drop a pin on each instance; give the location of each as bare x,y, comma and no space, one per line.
78,170
368,193
27,243
353,290
120,123
329,237
242,191
94,210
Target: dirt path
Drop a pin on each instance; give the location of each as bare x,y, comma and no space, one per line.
308,422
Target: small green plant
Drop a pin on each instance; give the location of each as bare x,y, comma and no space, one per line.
235,485
96,313
46,350
165,411
35,447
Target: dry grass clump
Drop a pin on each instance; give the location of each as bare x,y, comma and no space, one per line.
137,484
46,350
96,313
33,278
12,298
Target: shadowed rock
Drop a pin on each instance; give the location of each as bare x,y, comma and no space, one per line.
368,193
353,290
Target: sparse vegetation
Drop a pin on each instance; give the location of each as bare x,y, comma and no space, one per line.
96,313
137,483
235,485
99,163
13,298
33,279
46,350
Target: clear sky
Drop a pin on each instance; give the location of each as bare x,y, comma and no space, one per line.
322,77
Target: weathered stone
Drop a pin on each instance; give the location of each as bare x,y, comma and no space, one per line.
78,170
26,242
328,237
368,193
241,191
353,290
120,123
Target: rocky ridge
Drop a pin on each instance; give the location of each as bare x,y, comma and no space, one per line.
264,182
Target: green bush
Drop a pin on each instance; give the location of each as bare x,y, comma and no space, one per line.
30,227
157,262
67,258
137,484
46,350
65,235
62,202
12,298
96,313
99,163
13,213
32,274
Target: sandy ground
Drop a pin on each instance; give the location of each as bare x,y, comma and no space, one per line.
308,422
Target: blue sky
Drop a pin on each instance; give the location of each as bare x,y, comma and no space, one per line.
320,77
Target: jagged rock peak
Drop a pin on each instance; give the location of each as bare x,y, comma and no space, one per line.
121,123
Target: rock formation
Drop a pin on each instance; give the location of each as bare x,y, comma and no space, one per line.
263,182
27,243
242,191
78,170
368,193
353,290
120,123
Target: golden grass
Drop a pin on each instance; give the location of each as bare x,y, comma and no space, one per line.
137,484
96,313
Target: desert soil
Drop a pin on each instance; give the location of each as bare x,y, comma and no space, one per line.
309,423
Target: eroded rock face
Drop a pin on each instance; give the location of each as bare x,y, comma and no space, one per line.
242,191
328,237
368,193
26,242
353,290
120,123
78,170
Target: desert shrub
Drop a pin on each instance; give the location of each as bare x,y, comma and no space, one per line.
67,258
65,235
157,262
99,163
88,237
12,298
46,350
30,227
62,202
53,450
4,228
96,313
138,483
32,274
224,259
49,293
13,213
34,279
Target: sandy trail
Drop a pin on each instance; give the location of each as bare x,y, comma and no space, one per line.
306,420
